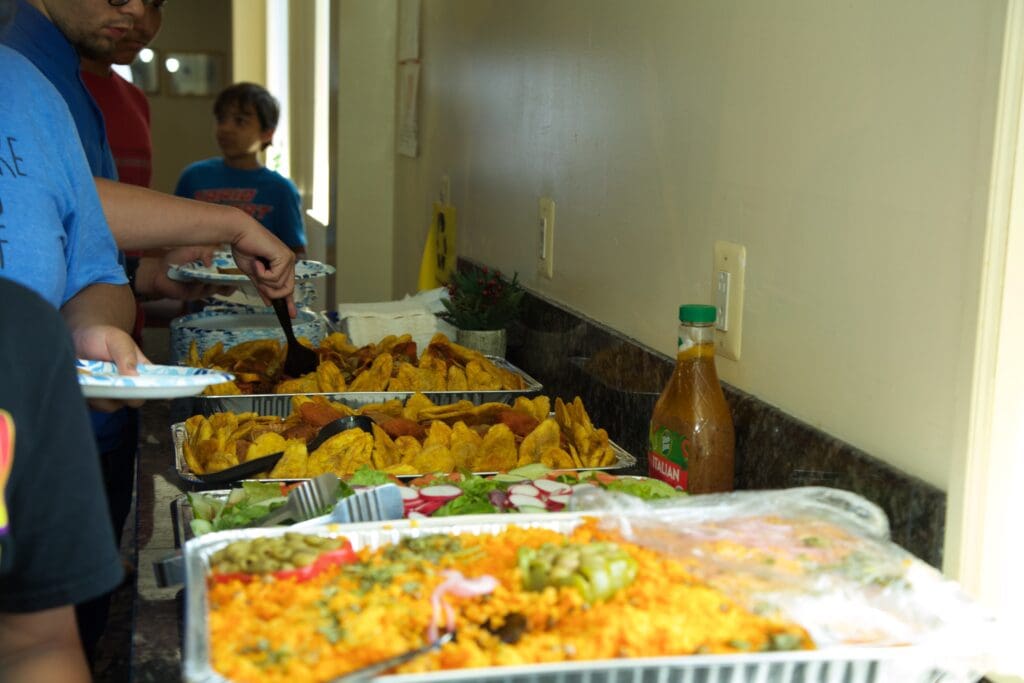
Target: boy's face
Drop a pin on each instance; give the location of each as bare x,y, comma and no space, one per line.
239,133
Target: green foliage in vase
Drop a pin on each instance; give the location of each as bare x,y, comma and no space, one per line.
479,299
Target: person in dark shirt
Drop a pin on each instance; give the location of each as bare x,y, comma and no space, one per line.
56,544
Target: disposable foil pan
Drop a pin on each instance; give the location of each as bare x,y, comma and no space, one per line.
281,404
623,460
912,663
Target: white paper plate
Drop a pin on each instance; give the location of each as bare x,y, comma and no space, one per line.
196,270
99,379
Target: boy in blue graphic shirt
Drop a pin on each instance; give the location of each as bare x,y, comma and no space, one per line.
246,117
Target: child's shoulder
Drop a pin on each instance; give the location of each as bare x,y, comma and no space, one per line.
213,163
276,178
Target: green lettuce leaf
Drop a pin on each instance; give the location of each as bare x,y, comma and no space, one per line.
646,489
367,476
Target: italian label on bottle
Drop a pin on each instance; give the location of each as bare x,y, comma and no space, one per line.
667,457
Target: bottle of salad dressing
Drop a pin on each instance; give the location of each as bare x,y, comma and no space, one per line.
691,436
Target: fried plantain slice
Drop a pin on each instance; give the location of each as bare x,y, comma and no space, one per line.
498,451
292,464
546,435
465,446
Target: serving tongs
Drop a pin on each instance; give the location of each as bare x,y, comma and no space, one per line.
250,468
368,672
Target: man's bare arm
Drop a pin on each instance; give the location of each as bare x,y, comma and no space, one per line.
42,646
140,218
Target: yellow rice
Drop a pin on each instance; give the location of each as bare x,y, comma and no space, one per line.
268,631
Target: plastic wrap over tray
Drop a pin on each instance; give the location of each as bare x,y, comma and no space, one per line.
281,404
623,460
917,626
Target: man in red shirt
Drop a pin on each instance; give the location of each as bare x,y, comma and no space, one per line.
126,115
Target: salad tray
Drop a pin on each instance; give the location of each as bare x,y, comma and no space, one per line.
423,500
281,404
945,642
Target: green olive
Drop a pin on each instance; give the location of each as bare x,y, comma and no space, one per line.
303,559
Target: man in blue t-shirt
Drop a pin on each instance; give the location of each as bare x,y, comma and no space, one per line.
247,116
51,34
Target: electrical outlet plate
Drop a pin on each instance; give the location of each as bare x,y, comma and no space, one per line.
727,284
546,252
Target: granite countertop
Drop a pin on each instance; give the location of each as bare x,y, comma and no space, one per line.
156,651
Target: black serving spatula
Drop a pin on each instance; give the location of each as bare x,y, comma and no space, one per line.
299,360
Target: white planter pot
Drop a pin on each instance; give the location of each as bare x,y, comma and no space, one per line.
487,342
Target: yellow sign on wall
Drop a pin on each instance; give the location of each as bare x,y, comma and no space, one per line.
438,262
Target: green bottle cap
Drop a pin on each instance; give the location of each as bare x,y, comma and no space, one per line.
697,313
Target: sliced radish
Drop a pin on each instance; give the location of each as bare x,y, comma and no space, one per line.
416,515
524,490
442,491
519,500
559,499
432,506
408,493
554,506
533,508
551,487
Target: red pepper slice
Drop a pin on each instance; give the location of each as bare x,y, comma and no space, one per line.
342,555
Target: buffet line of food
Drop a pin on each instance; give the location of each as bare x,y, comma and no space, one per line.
493,532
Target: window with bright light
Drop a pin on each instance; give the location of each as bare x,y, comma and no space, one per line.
320,204
279,154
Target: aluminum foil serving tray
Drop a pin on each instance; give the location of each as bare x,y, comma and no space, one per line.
624,460
281,404
912,663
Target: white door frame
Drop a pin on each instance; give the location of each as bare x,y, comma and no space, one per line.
986,492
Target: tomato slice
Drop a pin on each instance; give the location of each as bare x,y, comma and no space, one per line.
342,555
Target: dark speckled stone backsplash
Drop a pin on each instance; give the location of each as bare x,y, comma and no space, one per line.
620,379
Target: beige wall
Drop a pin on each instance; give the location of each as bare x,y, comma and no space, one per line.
183,126
365,150
846,145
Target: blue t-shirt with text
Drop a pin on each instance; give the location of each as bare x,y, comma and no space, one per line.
54,237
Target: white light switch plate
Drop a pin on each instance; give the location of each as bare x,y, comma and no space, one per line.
727,284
